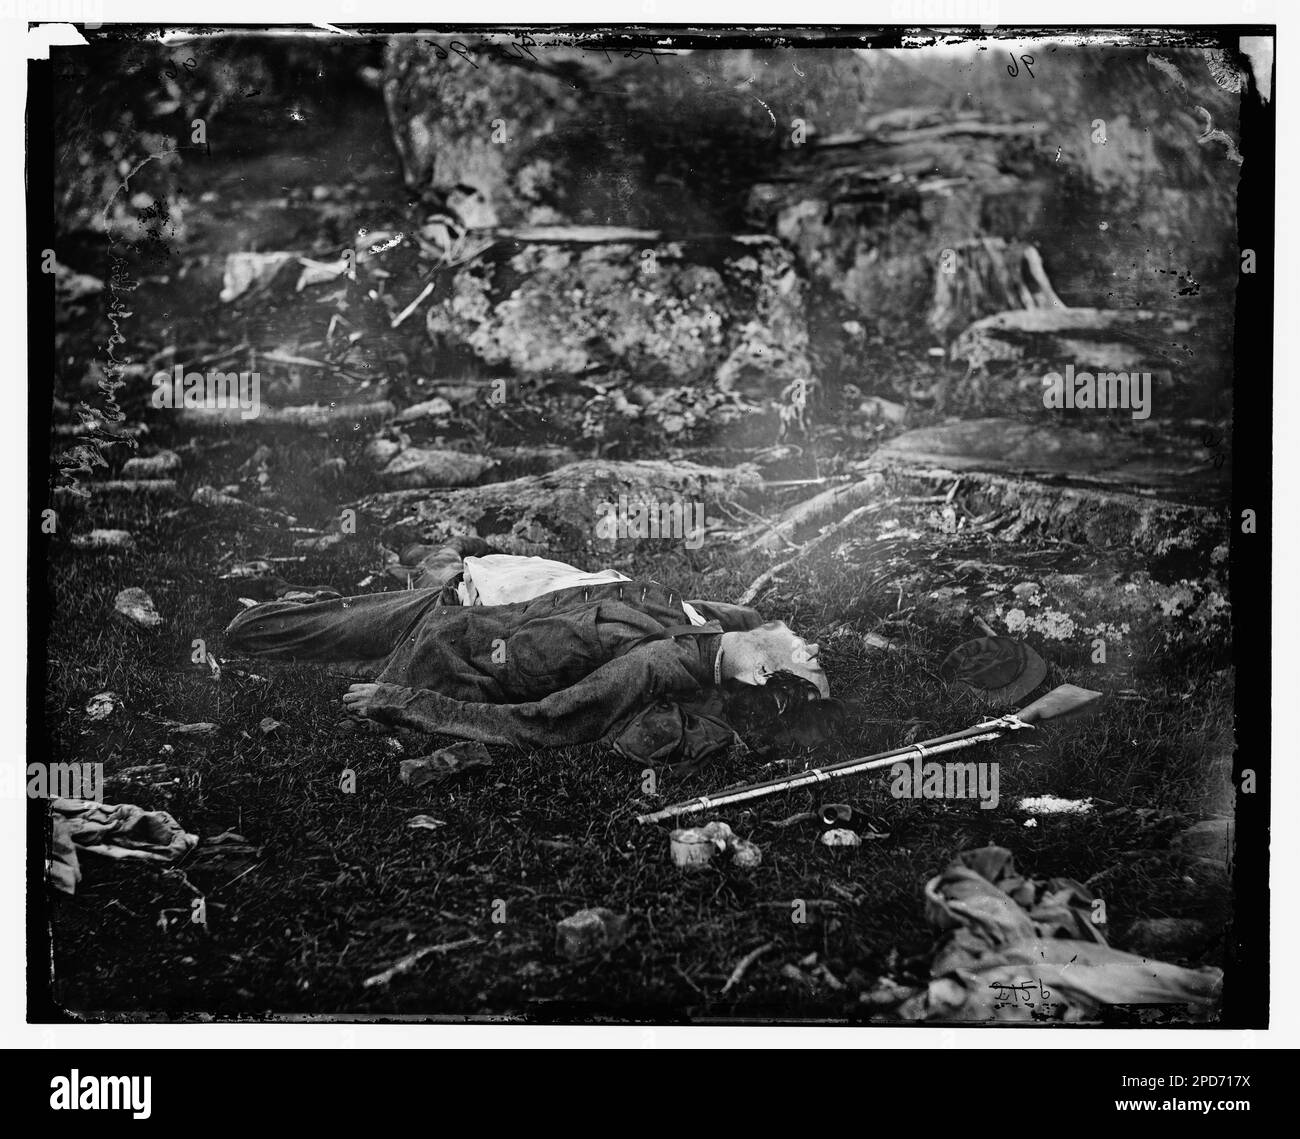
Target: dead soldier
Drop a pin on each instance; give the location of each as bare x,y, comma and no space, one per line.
536,653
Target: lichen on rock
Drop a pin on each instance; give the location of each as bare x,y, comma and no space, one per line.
727,312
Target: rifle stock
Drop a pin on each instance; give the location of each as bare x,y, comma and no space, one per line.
1059,704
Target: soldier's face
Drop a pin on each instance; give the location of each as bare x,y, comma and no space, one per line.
779,649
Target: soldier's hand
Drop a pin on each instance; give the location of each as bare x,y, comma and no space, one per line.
356,700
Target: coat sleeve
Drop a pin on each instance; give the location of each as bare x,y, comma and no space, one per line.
733,618
581,713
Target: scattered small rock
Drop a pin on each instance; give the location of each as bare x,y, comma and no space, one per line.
104,540
876,408
257,568
225,499
425,822
135,607
379,452
152,466
841,836
429,409
200,728
446,763
419,467
102,705
589,932
876,641
692,847
1052,805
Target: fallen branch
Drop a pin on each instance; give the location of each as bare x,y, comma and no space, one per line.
91,426
805,482
752,592
290,358
412,959
742,966
215,500
817,507
125,486
306,417
801,817
401,316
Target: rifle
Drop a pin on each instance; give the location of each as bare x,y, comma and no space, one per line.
1067,700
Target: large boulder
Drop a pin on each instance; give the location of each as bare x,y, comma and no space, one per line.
1151,460
869,214
1151,493
556,129
726,312
1131,204
1188,355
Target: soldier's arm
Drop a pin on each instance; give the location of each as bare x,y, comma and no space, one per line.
581,713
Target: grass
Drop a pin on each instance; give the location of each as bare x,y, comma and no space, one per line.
340,888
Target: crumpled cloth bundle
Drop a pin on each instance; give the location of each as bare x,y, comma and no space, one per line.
1022,949
114,831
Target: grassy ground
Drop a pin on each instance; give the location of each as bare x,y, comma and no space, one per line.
340,888
337,887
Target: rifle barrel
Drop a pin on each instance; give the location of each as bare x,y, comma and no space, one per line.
981,733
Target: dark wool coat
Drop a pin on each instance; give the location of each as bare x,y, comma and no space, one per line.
567,667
